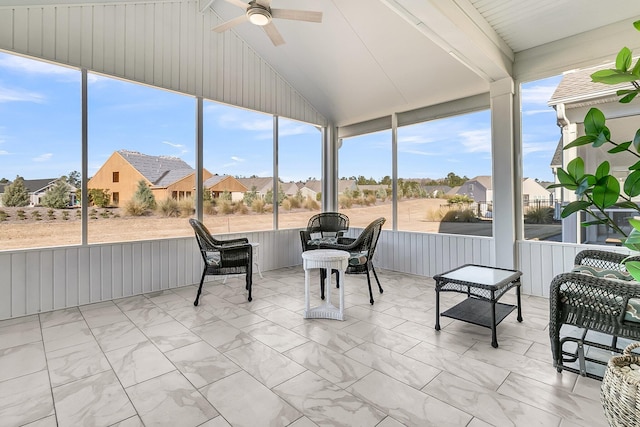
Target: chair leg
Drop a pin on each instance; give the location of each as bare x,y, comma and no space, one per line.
369,284
376,276
249,284
200,288
323,276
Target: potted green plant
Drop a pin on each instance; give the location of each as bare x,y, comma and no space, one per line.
599,191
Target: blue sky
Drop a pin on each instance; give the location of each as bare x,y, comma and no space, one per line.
40,132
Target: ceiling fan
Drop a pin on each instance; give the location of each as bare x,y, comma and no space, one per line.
259,12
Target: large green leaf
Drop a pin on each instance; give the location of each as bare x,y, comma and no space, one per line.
581,140
594,122
585,184
623,146
574,207
633,267
636,141
628,205
629,95
602,137
612,77
635,223
632,184
606,192
575,168
603,169
635,166
636,24
566,180
623,60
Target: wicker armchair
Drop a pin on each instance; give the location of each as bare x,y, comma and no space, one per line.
361,250
594,304
222,257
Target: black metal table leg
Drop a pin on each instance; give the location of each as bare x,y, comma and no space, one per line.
437,308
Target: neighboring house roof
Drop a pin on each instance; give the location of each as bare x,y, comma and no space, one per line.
262,185
556,160
453,191
158,170
38,185
4,185
576,88
432,188
314,185
346,184
484,180
225,183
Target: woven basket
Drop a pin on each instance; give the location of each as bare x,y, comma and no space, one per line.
620,391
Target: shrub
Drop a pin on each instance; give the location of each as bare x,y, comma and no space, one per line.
209,208
144,196
99,197
15,194
240,208
3,215
539,215
169,207
21,214
466,215
65,215
286,204
258,205
187,207
105,214
311,204
345,202
57,196
135,208
51,214
294,202
36,215
436,214
225,207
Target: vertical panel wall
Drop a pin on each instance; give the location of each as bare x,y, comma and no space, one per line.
166,44
38,280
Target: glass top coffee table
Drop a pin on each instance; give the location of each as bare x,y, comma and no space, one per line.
484,286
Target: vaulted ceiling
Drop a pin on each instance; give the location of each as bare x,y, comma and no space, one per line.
371,58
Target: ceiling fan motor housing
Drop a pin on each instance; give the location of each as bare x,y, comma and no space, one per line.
258,15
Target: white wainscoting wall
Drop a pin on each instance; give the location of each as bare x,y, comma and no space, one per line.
39,280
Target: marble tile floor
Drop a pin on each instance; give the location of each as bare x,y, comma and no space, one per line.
156,360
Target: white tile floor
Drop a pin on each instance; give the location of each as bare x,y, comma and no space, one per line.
158,360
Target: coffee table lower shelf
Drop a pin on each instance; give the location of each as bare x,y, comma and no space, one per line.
478,312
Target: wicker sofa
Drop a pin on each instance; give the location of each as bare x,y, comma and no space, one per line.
606,302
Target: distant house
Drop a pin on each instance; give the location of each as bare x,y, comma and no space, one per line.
36,188
479,189
167,177
219,184
534,193
263,185
436,191
314,186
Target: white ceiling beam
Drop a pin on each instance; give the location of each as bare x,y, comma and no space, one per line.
459,29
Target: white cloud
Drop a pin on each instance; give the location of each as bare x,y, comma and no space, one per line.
537,94
30,66
237,159
13,95
534,112
538,147
476,141
414,139
43,157
419,152
173,145
4,153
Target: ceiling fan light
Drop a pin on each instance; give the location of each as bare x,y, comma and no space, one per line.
259,17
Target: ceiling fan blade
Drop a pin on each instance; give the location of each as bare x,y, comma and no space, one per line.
297,15
238,3
230,24
273,34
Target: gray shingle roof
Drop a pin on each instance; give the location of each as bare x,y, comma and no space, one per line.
157,169
556,160
577,87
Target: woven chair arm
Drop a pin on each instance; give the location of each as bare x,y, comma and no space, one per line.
592,293
236,252
601,259
346,247
233,242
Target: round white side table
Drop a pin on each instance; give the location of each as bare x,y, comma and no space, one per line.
328,259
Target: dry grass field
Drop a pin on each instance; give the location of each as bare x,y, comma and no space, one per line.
16,233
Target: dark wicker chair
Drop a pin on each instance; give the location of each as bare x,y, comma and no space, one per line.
331,225
222,257
594,304
362,250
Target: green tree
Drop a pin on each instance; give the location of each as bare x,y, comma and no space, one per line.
386,180
250,196
74,179
57,197
144,196
4,181
454,180
15,194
